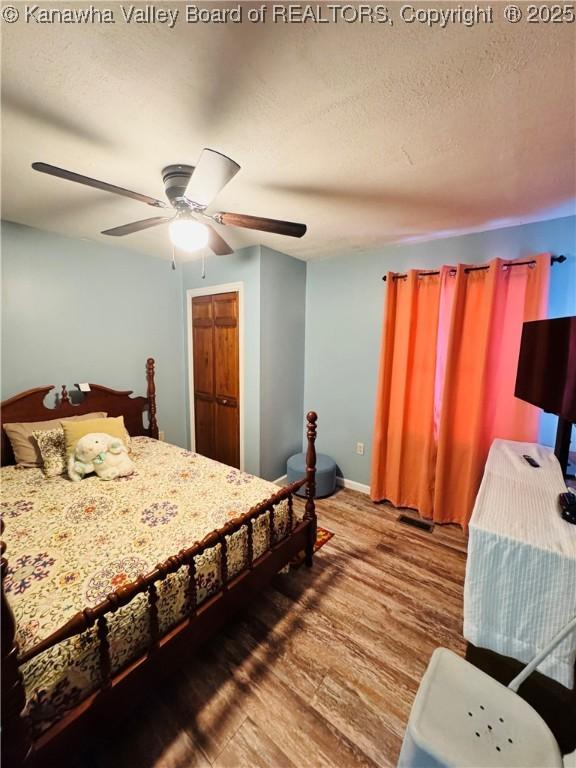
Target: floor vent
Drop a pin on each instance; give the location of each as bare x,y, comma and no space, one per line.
417,522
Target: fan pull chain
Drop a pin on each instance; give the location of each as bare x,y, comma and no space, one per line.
203,266
173,257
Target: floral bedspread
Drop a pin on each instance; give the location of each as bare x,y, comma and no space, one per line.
71,544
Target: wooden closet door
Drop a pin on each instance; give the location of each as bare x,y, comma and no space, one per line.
226,379
216,377
202,341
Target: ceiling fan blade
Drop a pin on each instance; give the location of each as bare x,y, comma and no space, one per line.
217,243
290,228
136,226
211,174
61,173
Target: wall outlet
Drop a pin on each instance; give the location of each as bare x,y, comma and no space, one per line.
360,449
161,435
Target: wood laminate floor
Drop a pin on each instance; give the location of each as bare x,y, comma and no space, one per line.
321,671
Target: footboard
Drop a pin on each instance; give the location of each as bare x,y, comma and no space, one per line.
117,690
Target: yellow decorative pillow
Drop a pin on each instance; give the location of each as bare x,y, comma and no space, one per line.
73,431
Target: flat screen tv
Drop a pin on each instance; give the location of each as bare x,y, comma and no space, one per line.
546,374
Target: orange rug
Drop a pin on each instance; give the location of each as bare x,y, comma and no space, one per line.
323,536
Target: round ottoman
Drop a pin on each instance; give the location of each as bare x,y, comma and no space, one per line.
325,473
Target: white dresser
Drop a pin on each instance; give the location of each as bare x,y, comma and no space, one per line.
520,586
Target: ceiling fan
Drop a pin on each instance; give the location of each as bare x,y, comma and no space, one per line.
190,190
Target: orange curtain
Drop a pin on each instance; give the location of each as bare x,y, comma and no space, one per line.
404,450
477,401
450,347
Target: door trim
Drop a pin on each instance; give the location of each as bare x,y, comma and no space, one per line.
209,290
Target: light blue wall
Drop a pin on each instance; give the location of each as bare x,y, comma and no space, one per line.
274,311
74,310
240,267
344,308
282,329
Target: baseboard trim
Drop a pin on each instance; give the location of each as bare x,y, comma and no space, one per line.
353,485
341,481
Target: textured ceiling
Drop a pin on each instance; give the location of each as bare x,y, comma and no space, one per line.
367,133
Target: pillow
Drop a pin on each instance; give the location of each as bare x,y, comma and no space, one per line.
53,451
73,431
25,448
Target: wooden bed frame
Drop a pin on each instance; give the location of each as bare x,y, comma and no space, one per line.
118,691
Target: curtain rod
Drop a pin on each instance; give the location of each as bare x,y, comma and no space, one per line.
553,260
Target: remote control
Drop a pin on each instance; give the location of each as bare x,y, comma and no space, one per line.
530,460
567,499
568,506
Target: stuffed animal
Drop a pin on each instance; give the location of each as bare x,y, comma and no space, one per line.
103,454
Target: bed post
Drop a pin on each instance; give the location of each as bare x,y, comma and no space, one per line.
16,741
151,395
310,509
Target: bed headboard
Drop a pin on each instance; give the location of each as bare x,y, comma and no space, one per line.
29,406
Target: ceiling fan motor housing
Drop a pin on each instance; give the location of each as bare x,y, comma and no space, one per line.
176,178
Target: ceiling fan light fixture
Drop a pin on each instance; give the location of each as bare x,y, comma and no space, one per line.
188,235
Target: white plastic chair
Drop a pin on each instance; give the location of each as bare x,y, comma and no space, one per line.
462,717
